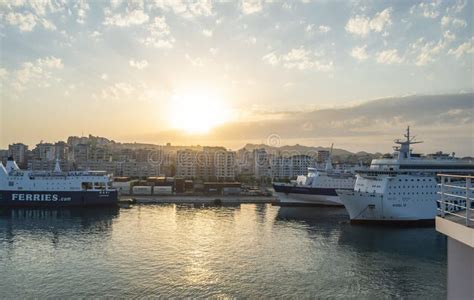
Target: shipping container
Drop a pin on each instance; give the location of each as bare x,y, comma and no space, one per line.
122,187
231,191
188,185
163,190
142,190
179,185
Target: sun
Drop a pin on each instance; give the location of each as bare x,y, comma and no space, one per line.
197,111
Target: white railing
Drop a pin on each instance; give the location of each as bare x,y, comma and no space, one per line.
447,202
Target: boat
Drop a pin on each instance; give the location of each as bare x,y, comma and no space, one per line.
318,188
402,188
26,188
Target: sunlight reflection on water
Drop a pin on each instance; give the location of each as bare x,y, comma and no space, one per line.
243,251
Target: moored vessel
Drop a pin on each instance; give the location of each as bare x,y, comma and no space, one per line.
318,188
402,188
24,188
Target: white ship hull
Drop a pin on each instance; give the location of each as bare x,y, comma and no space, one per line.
292,199
366,207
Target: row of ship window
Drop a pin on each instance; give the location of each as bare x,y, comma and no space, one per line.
414,179
402,186
412,193
427,193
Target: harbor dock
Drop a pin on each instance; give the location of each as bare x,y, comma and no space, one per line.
186,199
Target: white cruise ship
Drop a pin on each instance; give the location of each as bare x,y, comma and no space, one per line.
317,188
401,188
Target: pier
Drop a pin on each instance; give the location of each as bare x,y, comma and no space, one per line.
187,199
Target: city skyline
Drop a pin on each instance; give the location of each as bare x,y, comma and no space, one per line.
355,73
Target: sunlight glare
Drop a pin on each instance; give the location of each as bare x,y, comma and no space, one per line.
197,111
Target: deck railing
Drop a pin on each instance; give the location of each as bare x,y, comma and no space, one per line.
450,182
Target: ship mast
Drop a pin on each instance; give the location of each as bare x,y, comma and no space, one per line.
329,160
404,150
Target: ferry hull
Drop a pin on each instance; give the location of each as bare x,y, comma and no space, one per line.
372,208
306,196
57,198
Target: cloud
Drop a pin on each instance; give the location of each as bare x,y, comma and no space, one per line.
445,21
47,24
159,34
427,9
41,7
134,17
311,29
324,28
457,7
117,91
459,23
428,51
251,40
27,21
37,73
389,57
300,59
24,21
464,48
3,74
207,32
95,34
455,22
139,64
360,53
82,8
380,20
358,25
271,59
251,6
186,9
196,62
370,126
362,26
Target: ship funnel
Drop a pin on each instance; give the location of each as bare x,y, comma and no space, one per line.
57,167
11,165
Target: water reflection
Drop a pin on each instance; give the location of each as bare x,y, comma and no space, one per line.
188,251
313,215
55,222
381,258
404,241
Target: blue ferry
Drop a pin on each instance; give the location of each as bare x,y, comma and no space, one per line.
25,188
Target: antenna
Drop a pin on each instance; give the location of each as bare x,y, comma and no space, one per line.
329,160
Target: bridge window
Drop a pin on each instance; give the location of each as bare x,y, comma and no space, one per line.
87,185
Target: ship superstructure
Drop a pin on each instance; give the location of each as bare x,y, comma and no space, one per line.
402,187
316,188
54,188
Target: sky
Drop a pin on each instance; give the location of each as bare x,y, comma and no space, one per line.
232,72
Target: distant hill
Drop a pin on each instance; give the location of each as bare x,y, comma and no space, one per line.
339,155
298,148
